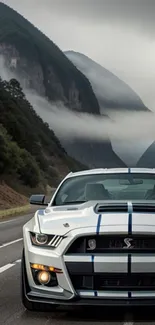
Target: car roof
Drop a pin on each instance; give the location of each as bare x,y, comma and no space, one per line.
110,170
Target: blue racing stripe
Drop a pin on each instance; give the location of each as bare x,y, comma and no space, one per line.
130,218
41,212
129,271
92,260
129,263
98,224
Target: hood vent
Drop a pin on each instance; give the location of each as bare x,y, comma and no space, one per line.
123,207
111,207
144,207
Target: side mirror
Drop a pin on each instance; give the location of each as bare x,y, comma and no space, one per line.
38,199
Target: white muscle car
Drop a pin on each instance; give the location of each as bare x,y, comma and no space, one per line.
94,243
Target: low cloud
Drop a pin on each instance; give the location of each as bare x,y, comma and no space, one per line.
130,133
127,126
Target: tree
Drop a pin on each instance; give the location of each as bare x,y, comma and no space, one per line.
15,89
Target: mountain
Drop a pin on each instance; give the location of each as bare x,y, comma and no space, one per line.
111,92
148,157
114,94
41,65
31,157
97,155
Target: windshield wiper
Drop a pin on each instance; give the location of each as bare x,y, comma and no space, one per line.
73,202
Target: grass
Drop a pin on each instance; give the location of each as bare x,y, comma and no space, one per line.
14,211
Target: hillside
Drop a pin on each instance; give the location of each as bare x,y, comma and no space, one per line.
40,65
148,157
30,154
97,155
111,92
10,198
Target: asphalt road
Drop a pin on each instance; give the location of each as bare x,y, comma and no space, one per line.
12,311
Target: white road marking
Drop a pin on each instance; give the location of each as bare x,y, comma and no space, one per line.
13,220
128,319
8,266
11,243
8,221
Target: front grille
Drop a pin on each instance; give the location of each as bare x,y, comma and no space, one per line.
125,282
106,243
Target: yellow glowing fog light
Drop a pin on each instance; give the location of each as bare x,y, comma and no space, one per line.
44,277
41,267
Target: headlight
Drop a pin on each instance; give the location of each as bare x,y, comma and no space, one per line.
45,240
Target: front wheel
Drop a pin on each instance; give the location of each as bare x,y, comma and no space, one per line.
29,305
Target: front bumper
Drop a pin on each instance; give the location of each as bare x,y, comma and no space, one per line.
65,294
77,301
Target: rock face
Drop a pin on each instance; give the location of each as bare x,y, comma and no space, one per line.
111,92
44,79
42,66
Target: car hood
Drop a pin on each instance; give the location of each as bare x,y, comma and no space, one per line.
60,220
117,216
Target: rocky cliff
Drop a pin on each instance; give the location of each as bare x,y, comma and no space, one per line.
111,92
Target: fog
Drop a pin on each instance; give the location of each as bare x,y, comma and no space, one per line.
127,126
122,128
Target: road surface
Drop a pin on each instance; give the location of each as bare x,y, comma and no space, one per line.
12,311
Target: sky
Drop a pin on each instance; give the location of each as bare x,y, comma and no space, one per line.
118,34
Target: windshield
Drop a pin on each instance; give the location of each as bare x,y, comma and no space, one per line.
119,186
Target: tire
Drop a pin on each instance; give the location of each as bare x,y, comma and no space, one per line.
29,305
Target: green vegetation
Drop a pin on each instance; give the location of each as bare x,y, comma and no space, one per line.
29,149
